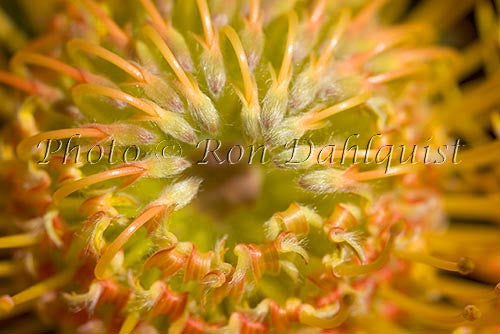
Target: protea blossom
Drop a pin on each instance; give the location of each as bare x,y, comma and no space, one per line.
144,183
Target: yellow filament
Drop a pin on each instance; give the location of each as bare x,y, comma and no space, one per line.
39,289
326,54
486,236
105,54
495,122
113,29
470,59
113,93
481,97
286,65
248,81
158,21
70,188
47,62
486,24
352,102
441,14
463,266
206,21
480,155
8,268
308,317
117,244
169,57
461,289
363,269
26,145
16,82
438,315
130,323
18,240
473,207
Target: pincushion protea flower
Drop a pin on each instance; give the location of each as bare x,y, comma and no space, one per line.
151,239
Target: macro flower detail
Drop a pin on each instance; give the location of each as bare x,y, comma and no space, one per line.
369,202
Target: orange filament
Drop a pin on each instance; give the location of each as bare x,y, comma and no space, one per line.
254,14
435,314
340,220
317,14
46,42
293,219
25,146
280,317
385,40
113,248
130,322
143,105
381,173
105,54
206,21
19,83
327,53
249,84
167,54
168,261
308,315
463,266
170,304
158,21
426,54
390,37
286,65
18,240
113,293
67,189
263,258
269,258
314,118
198,265
8,303
48,62
366,14
348,269
250,326
325,158
114,30
397,74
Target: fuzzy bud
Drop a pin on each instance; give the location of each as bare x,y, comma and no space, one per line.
331,181
176,126
180,193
